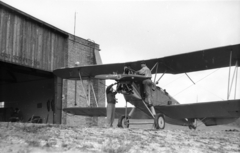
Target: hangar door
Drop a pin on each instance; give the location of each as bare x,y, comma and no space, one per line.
27,92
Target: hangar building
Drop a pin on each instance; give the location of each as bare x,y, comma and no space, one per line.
30,50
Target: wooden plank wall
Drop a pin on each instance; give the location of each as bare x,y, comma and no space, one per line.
26,42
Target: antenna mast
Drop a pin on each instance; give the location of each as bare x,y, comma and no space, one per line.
75,24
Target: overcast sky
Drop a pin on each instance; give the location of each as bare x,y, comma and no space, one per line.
136,30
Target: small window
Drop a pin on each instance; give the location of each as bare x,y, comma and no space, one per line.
2,104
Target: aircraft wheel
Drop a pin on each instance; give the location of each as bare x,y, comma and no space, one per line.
123,122
193,125
159,121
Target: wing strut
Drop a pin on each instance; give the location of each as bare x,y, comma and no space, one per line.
189,78
88,102
95,98
160,77
156,65
236,80
156,74
230,62
233,77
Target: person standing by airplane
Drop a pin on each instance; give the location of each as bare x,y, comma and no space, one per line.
111,101
147,83
16,116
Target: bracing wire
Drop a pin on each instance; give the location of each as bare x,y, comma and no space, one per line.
210,92
196,82
172,81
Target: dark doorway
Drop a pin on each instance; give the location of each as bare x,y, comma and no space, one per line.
26,89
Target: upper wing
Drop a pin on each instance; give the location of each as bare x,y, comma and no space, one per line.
188,62
86,111
211,110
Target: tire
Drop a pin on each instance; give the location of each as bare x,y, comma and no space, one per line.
159,121
192,127
123,123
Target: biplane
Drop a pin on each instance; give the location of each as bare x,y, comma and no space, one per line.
165,108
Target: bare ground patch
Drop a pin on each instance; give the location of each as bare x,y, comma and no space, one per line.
28,138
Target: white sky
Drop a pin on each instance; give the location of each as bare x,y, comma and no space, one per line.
136,30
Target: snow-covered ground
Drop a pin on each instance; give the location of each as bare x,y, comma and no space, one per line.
24,138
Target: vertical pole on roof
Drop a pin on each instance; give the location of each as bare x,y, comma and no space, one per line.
230,63
83,87
236,80
75,25
156,74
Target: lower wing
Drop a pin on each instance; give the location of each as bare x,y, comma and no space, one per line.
101,112
210,113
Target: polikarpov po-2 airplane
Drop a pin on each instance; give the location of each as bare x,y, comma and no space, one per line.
165,108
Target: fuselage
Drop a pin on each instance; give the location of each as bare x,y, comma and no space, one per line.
133,93
131,86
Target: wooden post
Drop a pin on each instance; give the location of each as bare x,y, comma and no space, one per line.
89,92
75,94
58,82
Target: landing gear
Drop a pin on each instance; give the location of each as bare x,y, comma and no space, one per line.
123,122
192,127
159,121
